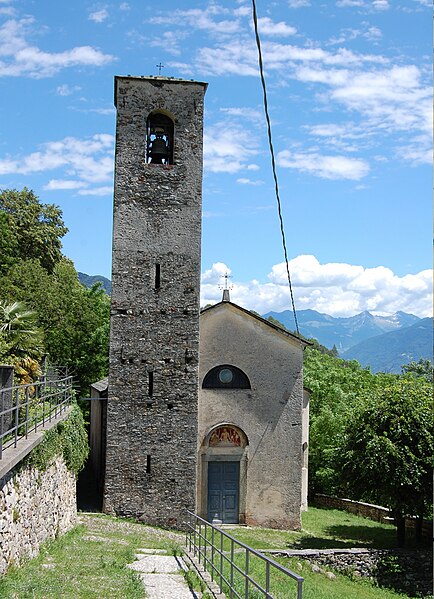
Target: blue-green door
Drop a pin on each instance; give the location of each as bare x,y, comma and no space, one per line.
223,491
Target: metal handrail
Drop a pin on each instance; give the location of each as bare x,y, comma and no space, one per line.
213,558
24,408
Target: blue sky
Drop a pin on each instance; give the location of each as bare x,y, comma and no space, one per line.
349,84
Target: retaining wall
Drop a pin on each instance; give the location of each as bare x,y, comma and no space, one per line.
35,506
407,571
373,512
366,510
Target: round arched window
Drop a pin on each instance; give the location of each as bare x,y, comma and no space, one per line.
226,376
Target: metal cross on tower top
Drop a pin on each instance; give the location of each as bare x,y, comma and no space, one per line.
159,67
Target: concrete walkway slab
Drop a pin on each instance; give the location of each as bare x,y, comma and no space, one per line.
166,586
161,564
161,575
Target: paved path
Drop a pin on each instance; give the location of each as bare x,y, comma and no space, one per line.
161,575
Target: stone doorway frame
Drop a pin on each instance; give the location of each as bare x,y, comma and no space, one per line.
222,454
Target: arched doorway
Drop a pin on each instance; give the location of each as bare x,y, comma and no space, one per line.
224,468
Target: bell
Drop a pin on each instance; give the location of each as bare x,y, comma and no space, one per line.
159,151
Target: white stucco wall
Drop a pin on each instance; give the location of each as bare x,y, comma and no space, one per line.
270,413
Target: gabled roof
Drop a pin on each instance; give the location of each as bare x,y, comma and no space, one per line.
292,336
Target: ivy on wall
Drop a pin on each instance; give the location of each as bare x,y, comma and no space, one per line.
68,439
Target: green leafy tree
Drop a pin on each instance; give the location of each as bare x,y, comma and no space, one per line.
33,230
387,447
8,244
422,367
335,386
75,319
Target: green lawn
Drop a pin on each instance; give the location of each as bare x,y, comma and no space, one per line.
322,529
89,562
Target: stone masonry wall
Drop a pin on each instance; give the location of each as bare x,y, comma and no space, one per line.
34,507
359,508
408,571
373,512
153,381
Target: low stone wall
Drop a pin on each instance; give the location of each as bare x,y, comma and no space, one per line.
34,507
407,571
366,510
373,512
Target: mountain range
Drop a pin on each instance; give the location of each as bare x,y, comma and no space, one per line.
388,352
384,343
89,280
342,332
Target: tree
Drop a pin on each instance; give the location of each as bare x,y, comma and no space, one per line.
19,327
75,320
422,367
8,244
335,386
35,229
21,340
386,449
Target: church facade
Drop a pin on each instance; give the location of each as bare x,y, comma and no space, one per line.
253,420
204,412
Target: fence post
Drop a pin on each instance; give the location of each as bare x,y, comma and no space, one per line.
6,384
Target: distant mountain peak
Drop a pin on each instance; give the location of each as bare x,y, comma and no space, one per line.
343,332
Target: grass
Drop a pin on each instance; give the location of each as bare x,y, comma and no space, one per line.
89,562
315,586
322,529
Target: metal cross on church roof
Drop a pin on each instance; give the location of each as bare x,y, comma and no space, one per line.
226,288
159,67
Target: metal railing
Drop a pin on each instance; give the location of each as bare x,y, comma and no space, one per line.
25,408
231,567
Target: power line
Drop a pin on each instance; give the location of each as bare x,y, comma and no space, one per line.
273,161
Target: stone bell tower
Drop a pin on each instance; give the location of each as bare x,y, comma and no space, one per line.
154,338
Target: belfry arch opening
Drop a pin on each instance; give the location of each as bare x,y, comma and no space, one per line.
160,129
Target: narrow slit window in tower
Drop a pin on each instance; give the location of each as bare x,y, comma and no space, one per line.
157,276
148,464
150,383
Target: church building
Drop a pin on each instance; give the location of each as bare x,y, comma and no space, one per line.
202,411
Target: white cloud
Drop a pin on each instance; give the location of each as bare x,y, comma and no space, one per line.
99,16
337,289
367,31
105,190
88,161
67,90
326,167
204,19
381,4
344,3
367,5
245,181
390,100
55,184
228,148
298,3
244,112
22,59
268,27
170,41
